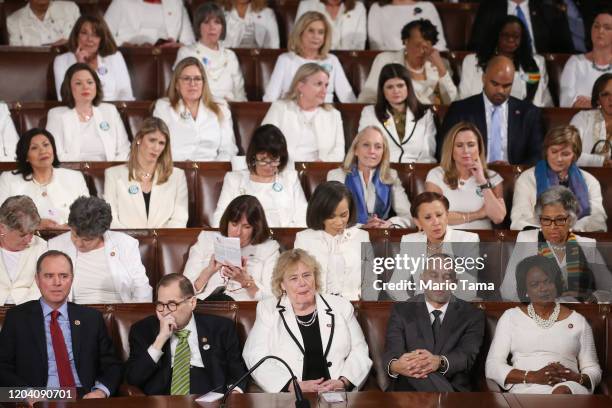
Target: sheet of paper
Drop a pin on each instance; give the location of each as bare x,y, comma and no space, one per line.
210,397
227,250
333,397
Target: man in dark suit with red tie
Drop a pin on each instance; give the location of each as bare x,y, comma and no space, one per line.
53,343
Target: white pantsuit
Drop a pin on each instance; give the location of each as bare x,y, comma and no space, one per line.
592,127
25,29
23,287
8,135
265,28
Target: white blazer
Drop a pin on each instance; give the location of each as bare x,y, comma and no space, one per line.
167,207
8,135
326,125
399,198
204,139
327,249
276,331
264,21
123,257
526,245
65,187
456,243
524,200
592,127
222,68
349,29
25,29
124,19
24,287
285,208
471,81
261,259
112,71
64,125
419,144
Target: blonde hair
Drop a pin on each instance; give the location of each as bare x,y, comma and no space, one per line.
447,162
563,135
350,159
295,38
256,5
164,166
287,262
301,75
207,99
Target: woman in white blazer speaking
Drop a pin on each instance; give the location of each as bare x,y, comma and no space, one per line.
92,43
316,334
107,264
201,127
267,177
407,124
309,42
334,240
313,128
86,129
147,191
376,188
19,250
244,218
39,176
221,64
250,24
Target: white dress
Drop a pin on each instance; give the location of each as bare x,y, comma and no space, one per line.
592,127
258,29
8,135
578,78
465,198
222,70
569,342
288,63
385,24
25,29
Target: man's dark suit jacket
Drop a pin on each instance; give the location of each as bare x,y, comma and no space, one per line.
461,336
223,364
549,25
23,349
524,127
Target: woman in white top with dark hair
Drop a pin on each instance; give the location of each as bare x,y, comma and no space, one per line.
269,179
85,128
387,17
42,23
221,64
92,43
407,124
581,71
313,129
310,42
201,128
250,24
146,22
347,18
245,219
147,191
8,135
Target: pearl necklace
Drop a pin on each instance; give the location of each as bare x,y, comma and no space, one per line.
544,323
432,248
416,71
309,322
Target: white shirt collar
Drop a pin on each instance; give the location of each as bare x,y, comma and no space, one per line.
490,105
430,309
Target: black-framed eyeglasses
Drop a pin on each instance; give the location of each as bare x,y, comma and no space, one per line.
191,79
559,221
172,306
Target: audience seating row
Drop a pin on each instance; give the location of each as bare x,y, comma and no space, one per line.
457,19
151,70
373,318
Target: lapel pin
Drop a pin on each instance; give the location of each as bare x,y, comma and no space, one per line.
571,326
206,347
133,189
328,324
204,339
113,253
77,322
104,126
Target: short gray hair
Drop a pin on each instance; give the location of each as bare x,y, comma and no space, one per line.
19,213
559,195
90,216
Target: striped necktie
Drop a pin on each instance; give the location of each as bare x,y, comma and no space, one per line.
180,369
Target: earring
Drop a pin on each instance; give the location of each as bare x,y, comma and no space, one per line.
137,143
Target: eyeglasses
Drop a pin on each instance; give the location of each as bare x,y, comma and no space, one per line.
275,162
172,306
559,222
191,79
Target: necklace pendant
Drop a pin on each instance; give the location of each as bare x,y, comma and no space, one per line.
44,193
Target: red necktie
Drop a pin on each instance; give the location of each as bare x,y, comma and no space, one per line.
64,372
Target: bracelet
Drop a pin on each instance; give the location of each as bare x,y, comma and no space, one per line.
581,382
525,377
463,215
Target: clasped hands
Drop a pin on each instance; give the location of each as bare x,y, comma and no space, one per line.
553,374
320,385
416,364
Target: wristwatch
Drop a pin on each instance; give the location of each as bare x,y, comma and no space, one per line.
443,365
485,185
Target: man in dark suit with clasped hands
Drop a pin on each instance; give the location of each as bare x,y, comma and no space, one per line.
433,339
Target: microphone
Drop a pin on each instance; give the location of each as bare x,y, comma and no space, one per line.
300,402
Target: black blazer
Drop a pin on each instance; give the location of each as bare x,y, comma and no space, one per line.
524,127
222,360
23,349
549,25
462,334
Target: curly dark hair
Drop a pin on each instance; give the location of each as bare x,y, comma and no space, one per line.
90,217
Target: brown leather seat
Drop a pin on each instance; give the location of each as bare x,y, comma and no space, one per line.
208,189
285,11
173,249
457,20
356,65
554,67
26,73
351,113
247,116
144,66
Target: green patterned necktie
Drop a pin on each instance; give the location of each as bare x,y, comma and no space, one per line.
180,369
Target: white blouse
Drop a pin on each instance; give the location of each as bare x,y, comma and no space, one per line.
467,197
577,79
258,28
222,70
25,29
94,282
592,127
8,135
